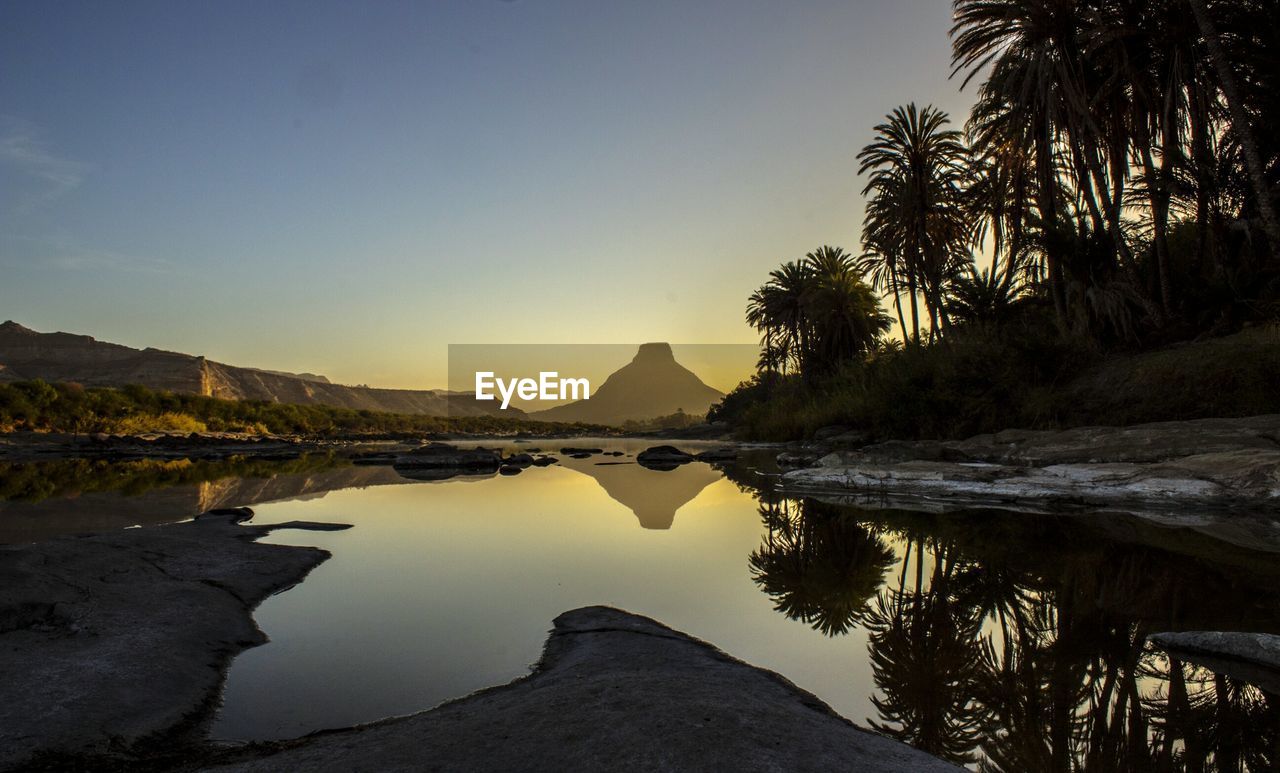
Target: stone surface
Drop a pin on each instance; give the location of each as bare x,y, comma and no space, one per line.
663,456
1252,657
1261,649
1213,462
444,456
613,691
115,640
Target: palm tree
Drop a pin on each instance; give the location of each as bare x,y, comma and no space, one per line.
816,314
1240,120
881,262
917,168
777,310
1022,42
843,312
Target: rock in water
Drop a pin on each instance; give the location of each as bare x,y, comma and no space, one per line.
444,456
663,456
613,691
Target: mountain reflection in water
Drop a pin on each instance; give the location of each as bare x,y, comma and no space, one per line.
1004,641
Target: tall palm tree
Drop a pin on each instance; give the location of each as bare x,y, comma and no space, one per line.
1022,44
917,169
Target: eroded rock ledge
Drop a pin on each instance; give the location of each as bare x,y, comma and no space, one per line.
113,641
613,691
1217,463
1251,657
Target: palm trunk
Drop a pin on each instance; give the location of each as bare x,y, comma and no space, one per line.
1158,192
1203,159
915,309
897,302
1239,121
1047,196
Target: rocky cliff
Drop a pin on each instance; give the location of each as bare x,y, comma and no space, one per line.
26,354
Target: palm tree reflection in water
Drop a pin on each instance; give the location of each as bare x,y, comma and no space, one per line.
1011,644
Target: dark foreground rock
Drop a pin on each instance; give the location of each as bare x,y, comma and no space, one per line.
1214,463
613,691
114,644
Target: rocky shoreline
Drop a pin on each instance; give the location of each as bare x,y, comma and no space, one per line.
613,691
115,645
1215,464
40,446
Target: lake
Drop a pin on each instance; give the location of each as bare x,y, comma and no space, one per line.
1013,638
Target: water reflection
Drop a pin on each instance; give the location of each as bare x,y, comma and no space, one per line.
653,499
40,500
1006,642
1019,644
822,571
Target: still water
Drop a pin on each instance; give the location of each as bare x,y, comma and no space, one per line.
1007,639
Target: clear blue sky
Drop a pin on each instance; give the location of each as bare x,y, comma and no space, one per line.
346,188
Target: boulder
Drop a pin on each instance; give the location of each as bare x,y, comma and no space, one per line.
718,455
797,458
663,456
518,460
444,456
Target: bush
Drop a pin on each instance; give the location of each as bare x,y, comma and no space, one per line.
168,421
38,406
980,381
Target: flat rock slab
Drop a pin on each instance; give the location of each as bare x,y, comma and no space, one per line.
1216,463
1253,657
110,641
613,691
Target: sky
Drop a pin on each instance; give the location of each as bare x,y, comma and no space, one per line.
348,188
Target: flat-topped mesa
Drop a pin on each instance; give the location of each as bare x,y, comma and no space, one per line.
653,384
654,352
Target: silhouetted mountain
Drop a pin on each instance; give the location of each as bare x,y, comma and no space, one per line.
653,384
26,354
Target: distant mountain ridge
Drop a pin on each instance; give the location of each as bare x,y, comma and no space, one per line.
26,354
653,384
